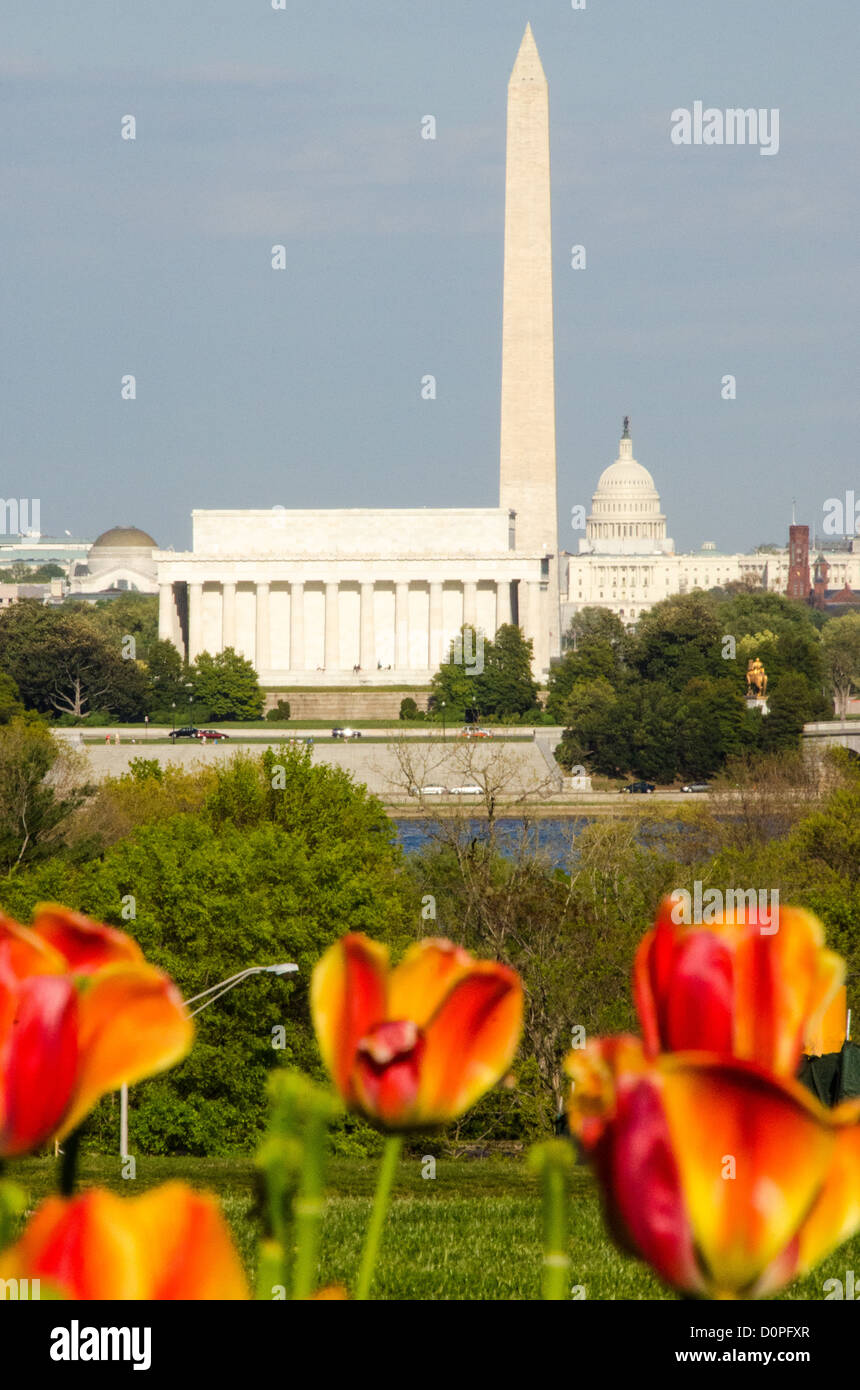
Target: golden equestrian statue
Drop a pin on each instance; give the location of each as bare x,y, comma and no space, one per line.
756,679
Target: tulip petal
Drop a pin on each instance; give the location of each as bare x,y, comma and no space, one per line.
348,996
132,1024
38,1060
190,1250
617,1113
170,1243
471,1041
23,953
836,1213
387,1072
421,980
752,1153
85,945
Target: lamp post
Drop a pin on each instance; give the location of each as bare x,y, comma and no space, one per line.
208,996
173,716
443,721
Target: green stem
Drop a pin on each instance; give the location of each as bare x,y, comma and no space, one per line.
308,1206
384,1183
69,1166
556,1263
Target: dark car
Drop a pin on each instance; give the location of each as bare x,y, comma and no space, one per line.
643,787
187,731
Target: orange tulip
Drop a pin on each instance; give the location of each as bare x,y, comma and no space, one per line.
729,1181
418,1044
169,1243
736,987
81,1012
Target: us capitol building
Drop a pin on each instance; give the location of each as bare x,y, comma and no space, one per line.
626,562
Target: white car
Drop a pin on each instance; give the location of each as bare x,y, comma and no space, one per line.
432,791
471,790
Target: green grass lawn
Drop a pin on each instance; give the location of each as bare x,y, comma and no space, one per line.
473,1232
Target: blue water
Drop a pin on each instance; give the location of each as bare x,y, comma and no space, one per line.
552,837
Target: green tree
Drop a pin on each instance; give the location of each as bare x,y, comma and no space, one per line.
791,705
39,790
596,643
677,639
10,705
227,686
128,615
454,684
506,688
167,677
840,638
62,665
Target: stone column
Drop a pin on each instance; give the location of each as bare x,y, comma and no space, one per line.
166,609
401,627
228,616
470,604
332,628
437,635
367,639
195,621
503,603
297,627
262,643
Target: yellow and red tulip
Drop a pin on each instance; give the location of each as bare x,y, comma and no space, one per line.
418,1044
736,987
169,1243
727,1180
81,1012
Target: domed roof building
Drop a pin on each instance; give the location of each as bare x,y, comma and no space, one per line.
119,559
625,514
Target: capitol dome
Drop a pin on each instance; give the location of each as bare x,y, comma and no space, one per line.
625,509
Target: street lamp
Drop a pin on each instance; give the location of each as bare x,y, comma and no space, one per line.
173,715
208,996
443,721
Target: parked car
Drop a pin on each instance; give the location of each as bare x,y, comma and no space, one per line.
211,735
696,787
187,731
471,790
432,791
645,788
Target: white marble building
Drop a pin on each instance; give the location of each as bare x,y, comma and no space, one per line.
325,597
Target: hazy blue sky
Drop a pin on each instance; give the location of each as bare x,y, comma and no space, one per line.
302,387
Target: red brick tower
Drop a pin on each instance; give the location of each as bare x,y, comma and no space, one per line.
798,561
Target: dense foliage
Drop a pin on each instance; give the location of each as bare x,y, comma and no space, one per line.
668,701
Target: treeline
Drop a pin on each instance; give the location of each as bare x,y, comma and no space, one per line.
104,663
270,858
668,700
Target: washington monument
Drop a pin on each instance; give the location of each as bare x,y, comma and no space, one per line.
527,481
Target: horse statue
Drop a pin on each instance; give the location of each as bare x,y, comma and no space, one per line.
756,679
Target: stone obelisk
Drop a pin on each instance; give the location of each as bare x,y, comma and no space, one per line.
528,483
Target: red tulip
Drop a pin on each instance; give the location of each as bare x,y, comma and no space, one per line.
169,1243
735,986
727,1180
81,1012
416,1045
